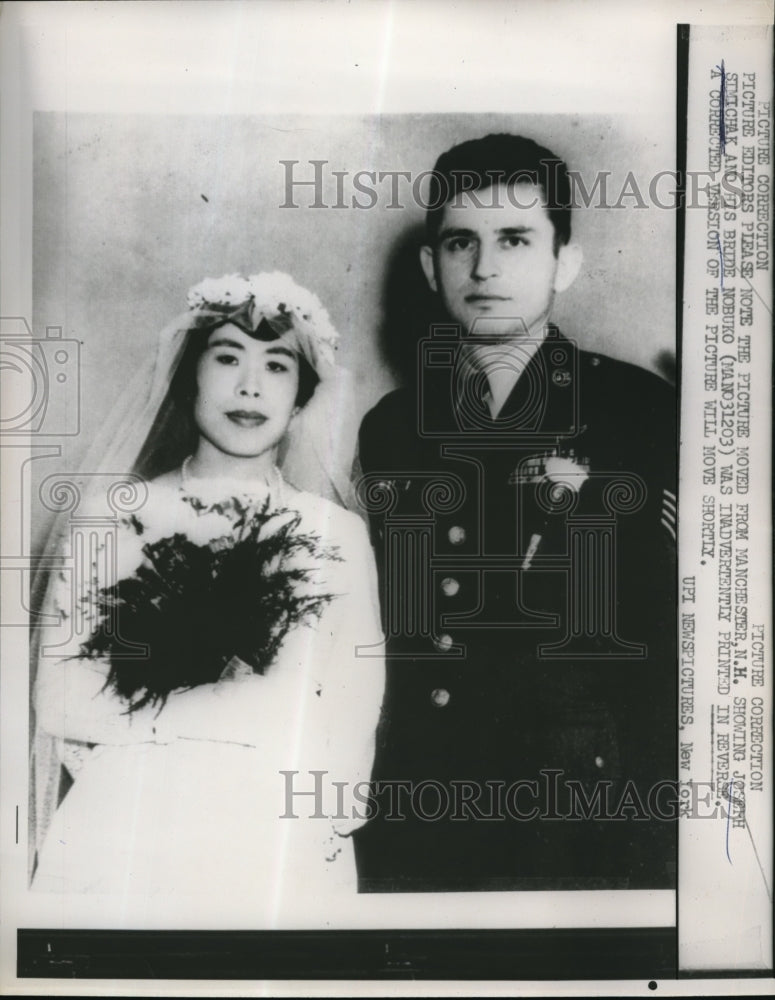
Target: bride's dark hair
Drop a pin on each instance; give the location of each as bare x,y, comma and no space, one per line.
174,434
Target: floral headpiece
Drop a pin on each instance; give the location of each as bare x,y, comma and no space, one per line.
270,296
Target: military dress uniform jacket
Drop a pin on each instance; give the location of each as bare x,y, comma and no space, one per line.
527,567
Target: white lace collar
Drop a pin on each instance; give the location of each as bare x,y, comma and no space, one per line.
212,488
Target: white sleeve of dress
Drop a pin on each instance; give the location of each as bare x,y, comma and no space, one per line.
73,703
71,699
353,679
318,707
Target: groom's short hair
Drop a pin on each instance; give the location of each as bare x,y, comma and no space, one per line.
500,158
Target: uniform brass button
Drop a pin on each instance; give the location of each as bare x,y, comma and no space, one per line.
440,697
594,361
456,534
450,586
599,762
443,643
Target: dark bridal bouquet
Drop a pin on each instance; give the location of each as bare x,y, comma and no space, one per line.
194,603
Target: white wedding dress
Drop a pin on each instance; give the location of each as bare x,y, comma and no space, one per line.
211,794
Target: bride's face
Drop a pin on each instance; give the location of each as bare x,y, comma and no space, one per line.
246,392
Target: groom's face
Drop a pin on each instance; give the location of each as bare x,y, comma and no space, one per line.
494,260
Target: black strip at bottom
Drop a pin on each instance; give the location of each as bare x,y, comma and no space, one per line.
631,953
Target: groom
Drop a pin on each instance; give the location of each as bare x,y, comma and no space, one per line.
521,494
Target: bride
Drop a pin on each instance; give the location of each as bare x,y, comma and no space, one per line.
217,708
